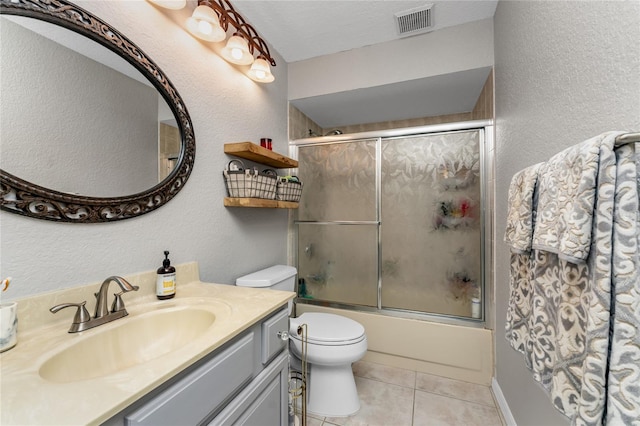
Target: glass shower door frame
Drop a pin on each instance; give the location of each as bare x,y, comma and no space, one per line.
373,221
485,129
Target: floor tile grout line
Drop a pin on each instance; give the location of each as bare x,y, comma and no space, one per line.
413,408
416,373
385,382
415,388
459,399
415,384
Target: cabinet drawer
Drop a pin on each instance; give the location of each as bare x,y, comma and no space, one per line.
264,402
202,391
265,410
272,344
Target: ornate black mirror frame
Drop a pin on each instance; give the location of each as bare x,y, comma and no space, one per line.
27,199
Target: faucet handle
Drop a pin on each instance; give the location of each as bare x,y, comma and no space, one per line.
82,315
118,304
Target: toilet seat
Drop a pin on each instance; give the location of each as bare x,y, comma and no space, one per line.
327,329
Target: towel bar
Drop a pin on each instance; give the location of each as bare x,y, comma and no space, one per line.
627,138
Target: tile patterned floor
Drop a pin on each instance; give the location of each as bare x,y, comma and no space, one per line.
396,397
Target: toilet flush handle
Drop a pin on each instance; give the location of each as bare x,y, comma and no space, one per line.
284,335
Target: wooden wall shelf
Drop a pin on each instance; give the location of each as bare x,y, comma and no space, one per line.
253,152
259,202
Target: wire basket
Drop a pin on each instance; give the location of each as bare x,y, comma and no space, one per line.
249,183
289,189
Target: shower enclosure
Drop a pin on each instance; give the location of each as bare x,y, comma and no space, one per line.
395,222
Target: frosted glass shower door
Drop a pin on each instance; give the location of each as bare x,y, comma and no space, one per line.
339,263
338,223
339,181
431,218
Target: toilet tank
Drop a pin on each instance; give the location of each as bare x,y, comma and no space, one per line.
278,277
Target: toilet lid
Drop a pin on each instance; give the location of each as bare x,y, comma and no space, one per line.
327,328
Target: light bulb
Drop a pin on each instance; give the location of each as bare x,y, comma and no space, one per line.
205,28
236,53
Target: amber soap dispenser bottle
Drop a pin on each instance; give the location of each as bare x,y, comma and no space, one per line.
166,284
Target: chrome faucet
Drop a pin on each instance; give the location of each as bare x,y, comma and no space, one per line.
83,321
101,295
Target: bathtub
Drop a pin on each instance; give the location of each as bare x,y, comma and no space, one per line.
453,351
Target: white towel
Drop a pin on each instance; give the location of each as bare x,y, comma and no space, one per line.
521,209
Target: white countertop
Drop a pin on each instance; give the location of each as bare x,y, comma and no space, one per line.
28,399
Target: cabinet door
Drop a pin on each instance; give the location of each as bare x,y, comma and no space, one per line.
202,391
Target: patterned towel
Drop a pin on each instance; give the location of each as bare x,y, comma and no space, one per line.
623,391
578,324
567,191
521,213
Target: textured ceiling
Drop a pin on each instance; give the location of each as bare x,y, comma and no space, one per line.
303,29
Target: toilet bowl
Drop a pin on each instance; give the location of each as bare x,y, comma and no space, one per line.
333,343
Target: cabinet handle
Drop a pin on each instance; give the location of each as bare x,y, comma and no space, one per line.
284,335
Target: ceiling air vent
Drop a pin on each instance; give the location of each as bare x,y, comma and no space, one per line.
415,21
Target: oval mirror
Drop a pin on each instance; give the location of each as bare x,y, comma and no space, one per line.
92,130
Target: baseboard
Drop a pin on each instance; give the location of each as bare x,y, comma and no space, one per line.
502,403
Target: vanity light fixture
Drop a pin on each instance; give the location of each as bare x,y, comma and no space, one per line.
261,71
170,4
210,22
237,51
205,24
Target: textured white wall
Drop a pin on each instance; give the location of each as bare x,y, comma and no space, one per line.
80,126
445,51
225,106
564,71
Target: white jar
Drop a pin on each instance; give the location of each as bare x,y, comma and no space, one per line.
476,309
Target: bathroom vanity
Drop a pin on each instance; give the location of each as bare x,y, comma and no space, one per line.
243,382
214,357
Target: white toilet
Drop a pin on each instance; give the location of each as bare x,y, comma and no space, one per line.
334,342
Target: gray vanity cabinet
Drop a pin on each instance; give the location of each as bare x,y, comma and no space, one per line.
245,382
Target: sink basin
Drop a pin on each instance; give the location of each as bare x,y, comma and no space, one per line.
135,341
